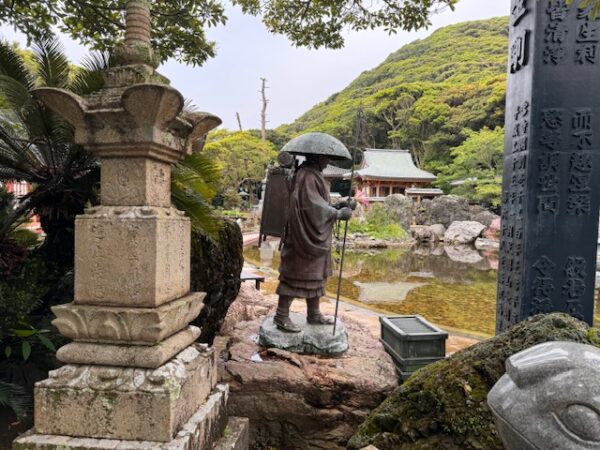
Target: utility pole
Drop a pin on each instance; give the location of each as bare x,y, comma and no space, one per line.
263,112
237,115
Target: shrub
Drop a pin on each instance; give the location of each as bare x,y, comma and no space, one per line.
378,224
215,269
21,292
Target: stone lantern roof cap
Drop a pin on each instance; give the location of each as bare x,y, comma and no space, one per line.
137,113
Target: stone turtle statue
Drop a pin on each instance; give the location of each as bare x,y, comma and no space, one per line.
549,398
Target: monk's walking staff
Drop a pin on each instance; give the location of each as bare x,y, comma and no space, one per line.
359,116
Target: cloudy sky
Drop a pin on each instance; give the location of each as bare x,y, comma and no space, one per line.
297,78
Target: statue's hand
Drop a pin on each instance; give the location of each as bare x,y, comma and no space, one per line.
347,202
344,213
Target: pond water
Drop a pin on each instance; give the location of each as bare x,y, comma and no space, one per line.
453,288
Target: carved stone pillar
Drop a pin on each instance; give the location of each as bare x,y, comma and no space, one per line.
133,376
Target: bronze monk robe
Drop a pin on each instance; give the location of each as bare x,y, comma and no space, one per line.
306,254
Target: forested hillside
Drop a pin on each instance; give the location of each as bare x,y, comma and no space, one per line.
429,96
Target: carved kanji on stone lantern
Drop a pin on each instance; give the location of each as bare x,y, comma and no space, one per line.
133,373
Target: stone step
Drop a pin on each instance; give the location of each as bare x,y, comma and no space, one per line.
125,403
236,435
201,432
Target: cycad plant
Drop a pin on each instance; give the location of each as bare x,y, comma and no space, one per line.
14,397
15,242
194,182
36,145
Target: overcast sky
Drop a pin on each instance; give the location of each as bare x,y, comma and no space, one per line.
297,78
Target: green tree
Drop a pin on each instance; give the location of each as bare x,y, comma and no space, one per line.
477,163
242,156
179,25
395,108
322,23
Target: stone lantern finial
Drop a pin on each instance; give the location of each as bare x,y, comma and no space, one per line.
137,48
137,23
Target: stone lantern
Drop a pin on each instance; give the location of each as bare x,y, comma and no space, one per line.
133,379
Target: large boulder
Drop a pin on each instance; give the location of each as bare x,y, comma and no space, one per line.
443,406
421,234
303,401
485,217
475,209
438,231
215,269
463,232
249,305
444,209
427,234
400,208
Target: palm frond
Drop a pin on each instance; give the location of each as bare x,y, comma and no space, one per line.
53,68
37,145
13,66
197,209
90,77
15,94
189,106
25,238
17,162
199,173
14,397
193,185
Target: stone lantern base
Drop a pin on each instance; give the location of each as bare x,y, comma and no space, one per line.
178,406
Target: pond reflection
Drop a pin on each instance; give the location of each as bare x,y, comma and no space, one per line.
454,287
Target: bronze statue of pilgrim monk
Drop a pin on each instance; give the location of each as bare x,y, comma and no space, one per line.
306,253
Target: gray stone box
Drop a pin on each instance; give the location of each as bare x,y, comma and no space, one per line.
412,342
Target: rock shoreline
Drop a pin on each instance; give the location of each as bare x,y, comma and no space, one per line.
305,401
301,401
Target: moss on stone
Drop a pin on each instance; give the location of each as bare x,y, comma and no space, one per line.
443,406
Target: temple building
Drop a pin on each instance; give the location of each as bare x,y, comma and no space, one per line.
338,185
386,172
20,189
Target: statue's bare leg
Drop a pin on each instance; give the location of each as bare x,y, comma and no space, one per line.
314,315
282,317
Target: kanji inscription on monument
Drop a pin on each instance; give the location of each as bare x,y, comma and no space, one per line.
550,192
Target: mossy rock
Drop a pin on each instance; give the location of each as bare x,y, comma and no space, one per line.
443,406
215,269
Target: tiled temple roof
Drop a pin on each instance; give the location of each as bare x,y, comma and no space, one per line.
390,165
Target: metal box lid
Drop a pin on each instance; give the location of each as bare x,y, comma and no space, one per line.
412,327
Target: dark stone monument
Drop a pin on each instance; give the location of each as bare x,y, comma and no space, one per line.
551,162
